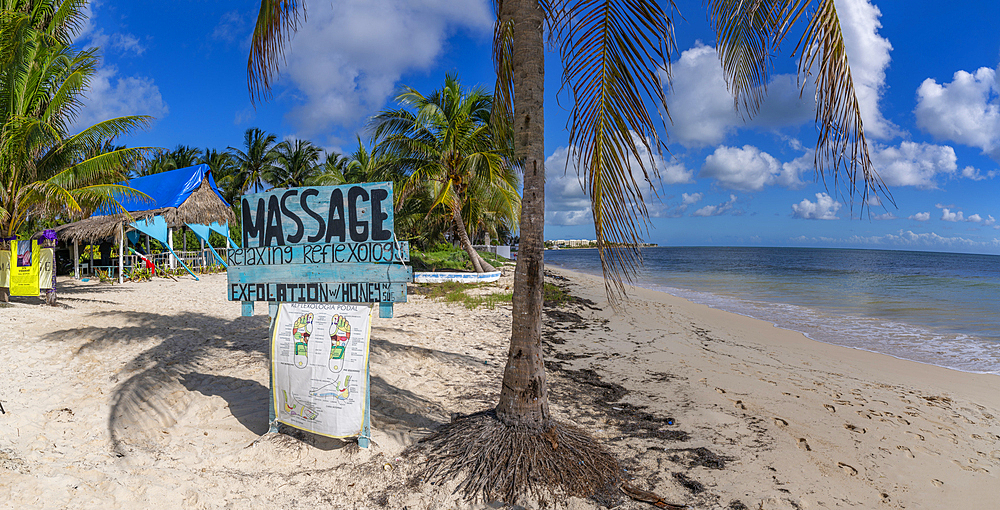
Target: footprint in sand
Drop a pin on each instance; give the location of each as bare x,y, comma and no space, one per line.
906,451
781,423
937,483
803,444
848,469
720,390
830,408
970,467
918,436
854,428
739,405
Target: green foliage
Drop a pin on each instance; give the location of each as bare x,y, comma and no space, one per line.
554,295
455,292
44,169
445,257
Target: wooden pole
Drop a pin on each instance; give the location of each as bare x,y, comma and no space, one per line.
90,266
76,259
121,253
170,244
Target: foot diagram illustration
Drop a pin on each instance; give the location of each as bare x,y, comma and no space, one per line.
340,335
296,408
301,330
335,389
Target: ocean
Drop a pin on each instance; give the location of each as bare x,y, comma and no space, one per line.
936,308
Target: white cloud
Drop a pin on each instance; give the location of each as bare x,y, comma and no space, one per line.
885,216
920,216
702,109
716,210
749,168
825,208
974,174
347,58
965,111
110,96
909,239
117,42
913,164
868,55
232,26
90,36
566,203
948,215
693,198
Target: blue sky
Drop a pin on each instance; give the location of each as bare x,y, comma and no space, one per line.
926,76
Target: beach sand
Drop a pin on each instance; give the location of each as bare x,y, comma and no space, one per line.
154,395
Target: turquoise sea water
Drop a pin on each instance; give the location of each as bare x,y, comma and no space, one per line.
937,308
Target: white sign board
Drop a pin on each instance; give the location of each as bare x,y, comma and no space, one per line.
319,361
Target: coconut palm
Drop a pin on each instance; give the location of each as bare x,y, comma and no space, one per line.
616,55
449,147
225,170
44,169
256,160
295,164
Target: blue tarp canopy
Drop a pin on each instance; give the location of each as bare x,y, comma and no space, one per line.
166,189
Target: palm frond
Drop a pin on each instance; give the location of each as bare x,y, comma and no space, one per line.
842,145
613,53
277,20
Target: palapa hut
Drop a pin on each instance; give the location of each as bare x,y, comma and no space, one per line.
178,198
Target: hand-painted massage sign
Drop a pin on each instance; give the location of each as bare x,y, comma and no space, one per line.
324,244
303,247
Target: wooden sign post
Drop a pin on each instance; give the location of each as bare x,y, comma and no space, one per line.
323,244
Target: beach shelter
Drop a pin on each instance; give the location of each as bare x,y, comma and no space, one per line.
174,199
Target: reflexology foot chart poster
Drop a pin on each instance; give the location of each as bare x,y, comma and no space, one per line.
319,359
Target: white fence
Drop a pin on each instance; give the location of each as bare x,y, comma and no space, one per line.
500,251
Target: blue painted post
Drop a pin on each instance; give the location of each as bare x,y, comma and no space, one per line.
272,420
385,310
364,440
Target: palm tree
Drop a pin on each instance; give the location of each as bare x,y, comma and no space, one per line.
295,164
184,156
44,169
451,148
225,170
256,161
613,52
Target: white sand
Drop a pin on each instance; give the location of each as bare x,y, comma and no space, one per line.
152,395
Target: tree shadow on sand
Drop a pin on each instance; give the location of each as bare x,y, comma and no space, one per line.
188,352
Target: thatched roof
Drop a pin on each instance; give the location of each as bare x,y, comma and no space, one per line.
203,206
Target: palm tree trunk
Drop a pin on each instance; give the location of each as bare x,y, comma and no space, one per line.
524,397
480,265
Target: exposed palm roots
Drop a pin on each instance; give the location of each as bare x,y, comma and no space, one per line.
498,461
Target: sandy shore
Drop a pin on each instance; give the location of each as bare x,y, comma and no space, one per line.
154,395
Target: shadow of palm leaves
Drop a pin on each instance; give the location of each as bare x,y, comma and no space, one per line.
188,353
154,388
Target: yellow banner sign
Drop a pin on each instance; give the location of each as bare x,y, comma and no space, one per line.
24,270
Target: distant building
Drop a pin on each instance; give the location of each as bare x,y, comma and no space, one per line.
573,243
